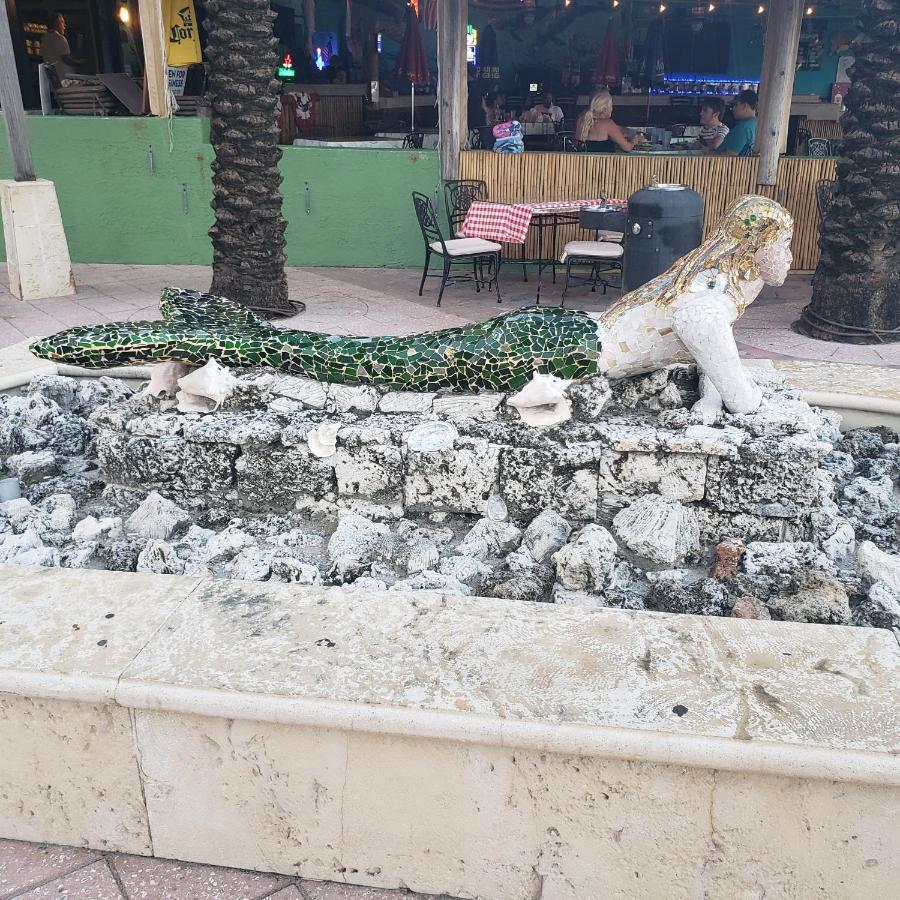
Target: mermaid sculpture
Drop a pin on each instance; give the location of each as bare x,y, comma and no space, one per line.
687,312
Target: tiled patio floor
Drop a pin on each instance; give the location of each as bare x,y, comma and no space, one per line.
45,871
385,301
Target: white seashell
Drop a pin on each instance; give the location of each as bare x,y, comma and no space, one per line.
212,381
546,416
430,437
192,403
164,378
495,508
543,402
322,441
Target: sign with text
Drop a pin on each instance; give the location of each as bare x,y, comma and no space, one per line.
177,80
182,37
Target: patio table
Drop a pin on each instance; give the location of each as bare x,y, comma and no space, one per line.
509,223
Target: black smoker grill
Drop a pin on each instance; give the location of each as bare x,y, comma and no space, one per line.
664,222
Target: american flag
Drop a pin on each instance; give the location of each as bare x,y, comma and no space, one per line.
428,14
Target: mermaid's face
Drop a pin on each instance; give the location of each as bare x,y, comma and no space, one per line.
774,261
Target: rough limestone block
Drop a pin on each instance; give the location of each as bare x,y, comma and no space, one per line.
278,477
305,390
481,406
143,462
534,480
459,479
678,476
373,471
773,476
37,255
406,402
662,531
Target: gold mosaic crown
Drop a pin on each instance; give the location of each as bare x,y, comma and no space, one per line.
756,219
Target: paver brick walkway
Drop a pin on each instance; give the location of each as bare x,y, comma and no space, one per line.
385,301
46,872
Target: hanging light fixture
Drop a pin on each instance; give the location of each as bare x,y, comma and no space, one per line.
662,7
810,10
124,15
615,3
760,9
711,7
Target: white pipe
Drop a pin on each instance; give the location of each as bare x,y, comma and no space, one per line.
44,87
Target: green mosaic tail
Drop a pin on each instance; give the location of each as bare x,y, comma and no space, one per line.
498,354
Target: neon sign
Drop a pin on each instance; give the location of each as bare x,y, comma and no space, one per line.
286,69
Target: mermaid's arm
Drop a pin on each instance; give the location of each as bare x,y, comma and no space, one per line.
703,323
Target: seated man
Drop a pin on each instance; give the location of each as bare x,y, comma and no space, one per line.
55,50
545,111
739,141
713,130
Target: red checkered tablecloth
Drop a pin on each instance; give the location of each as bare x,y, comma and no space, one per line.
508,223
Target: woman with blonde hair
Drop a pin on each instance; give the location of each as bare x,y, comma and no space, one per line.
598,131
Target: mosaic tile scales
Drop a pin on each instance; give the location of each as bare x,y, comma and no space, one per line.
499,354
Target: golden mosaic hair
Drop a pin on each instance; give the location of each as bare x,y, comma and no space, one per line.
756,220
749,224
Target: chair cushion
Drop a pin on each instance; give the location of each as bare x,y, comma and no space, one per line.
592,250
466,246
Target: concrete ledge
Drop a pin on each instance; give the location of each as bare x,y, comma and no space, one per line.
474,747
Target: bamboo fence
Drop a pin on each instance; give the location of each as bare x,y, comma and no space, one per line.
343,115
561,176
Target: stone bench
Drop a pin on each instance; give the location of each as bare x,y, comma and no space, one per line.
473,747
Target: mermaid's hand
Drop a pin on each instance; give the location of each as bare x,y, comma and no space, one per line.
703,323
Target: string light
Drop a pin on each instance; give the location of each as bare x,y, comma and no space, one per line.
615,3
809,10
760,9
711,7
124,14
568,2
662,7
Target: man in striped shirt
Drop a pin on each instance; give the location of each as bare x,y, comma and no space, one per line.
714,131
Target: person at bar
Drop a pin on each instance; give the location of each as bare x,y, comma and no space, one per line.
544,111
55,50
598,131
494,112
739,141
713,130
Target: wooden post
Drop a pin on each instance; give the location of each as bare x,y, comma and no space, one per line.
11,100
452,20
156,78
777,85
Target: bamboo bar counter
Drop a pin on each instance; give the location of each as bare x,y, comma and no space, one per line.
563,176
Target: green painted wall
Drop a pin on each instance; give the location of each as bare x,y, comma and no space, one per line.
115,210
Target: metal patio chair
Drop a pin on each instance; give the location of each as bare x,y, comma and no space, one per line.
458,196
466,251
820,147
602,256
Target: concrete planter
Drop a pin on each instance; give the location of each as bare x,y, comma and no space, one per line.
473,747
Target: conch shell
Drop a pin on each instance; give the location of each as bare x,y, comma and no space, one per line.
205,389
164,378
322,441
543,401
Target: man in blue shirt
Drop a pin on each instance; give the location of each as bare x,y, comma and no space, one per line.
740,140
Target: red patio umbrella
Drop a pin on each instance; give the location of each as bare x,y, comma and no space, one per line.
607,69
412,65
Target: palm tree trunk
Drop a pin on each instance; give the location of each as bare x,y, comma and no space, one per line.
248,234
856,288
